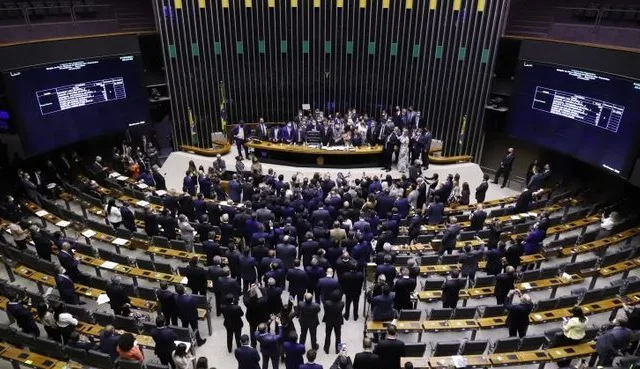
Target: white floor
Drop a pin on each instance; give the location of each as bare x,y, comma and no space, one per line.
177,163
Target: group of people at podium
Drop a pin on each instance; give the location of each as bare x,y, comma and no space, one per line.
401,134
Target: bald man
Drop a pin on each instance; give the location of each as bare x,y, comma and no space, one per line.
505,167
518,314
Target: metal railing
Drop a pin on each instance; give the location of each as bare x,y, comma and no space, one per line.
595,17
32,15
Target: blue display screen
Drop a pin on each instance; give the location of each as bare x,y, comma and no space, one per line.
589,115
71,101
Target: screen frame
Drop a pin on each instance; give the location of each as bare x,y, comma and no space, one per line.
634,151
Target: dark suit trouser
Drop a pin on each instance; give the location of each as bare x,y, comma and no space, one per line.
449,303
348,300
165,358
218,303
337,328
253,326
171,319
194,325
518,330
199,291
504,173
425,159
240,144
273,356
387,156
500,299
231,331
313,330
442,250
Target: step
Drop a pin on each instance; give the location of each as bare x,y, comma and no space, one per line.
525,34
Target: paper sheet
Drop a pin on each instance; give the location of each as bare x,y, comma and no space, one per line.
142,203
41,213
103,299
161,192
109,265
515,217
119,242
122,178
526,286
184,280
63,223
114,175
88,233
142,185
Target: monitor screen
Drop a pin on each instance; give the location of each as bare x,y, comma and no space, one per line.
589,115
66,102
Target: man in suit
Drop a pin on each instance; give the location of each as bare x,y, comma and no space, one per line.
66,288
211,247
427,139
247,356
390,143
450,237
390,349
308,317
240,136
196,277
536,181
477,218
469,261
613,341
320,215
387,269
275,137
158,178
288,133
504,284
151,222
262,130
42,243
117,295
298,281
109,342
69,263
248,270
481,190
404,286
351,283
21,312
451,290
518,314
300,136
235,189
164,338
232,313
269,343
326,286
311,358
505,167
286,252
167,301
523,201
366,359
188,312
333,319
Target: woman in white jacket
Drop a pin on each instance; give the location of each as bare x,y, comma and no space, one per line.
113,213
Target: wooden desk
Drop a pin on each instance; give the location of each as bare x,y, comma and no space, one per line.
569,352
473,361
418,362
33,360
303,155
621,267
402,326
591,308
601,243
519,358
495,322
224,148
449,325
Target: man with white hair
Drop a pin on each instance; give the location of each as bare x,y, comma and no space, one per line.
449,237
97,167
518,314
477,219
219,165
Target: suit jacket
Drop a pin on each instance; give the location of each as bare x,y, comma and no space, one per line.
269,341
523,202
504,284
536,182
494,264
308,313
70,265
164,339
507,162
65,288
469,261
293,352
477,220
21,314
196,277
117,296
187,307
390,352
108,345
248,268
232,316
435,213
262,132
310,366
160,181
235,190
247,357
451,290
366,360
518,314
389,272
43,245
352,282
481,191
298,281
287,253
326,286
449,237
226,286
403,289
151,224
333,312
167,301
382,307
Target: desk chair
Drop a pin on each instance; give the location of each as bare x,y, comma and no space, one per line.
532,343
99,360
414,349
76,354
464,313
493,311
545,305
504,345
432,284
474,347
446,348
487,281
410,315
439,314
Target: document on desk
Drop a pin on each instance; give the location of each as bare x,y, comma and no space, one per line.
88,233
114,175
142,203
109,265
526,286
515,217
119,241
41,213
161,192
142,186
122,178
103,299
184,280
63,223
459,361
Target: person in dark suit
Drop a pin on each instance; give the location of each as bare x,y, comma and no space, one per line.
248,270
274,297
117,295
298,280
493,256
128,220
262,131
533,241
211,247
404,286
275,137
427,138
351,283
169,225
536,181
247,356
449,237
387,269
69,263
109,342
167,301
435,212
514,252
21,312
523,202
293,351
196,277
151,223
366,359
333,319
66,287
477,219
308,317
382,305
42,243
311,358
469,261
164,338
504,284
269,343
481,190
326,286
255,301
188,312
518,314
613,341
505,167
390,349
233,314
451,290
158,178
390,143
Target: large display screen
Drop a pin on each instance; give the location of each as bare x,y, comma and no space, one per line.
66,102
589,115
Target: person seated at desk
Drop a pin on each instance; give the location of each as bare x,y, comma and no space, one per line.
288,134
276,134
